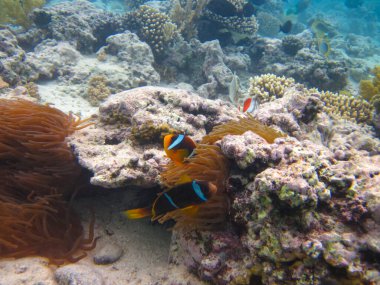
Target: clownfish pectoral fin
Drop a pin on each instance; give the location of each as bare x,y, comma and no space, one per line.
138,213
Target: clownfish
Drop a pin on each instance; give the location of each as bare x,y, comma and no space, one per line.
249,105
178,147
183,197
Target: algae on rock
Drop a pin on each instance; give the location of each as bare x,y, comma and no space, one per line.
16,12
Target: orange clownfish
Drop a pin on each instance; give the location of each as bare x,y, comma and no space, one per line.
178,147
250,105
180,197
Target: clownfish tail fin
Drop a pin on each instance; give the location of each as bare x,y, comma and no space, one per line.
138,213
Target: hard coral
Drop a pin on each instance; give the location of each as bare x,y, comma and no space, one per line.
370,89
16,12
268,87
38,172
153,27
347,107
185,16
97,90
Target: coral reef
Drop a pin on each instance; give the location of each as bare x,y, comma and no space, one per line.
307,66
204,65
347,107
370,90
97,90
268,87
16,12
300,212
291,45
308,200
120,151
38,175
32,90
124,62
243,25
269,25
185,16
80,23
50,59
153,27
12,65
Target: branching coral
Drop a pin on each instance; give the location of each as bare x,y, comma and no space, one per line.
17,11
268,87
239,127
38,172
347,107
244,25
185,16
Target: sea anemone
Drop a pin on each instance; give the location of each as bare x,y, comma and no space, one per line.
38,173
210,164
239,127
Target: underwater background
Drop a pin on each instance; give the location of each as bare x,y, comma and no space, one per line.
189,142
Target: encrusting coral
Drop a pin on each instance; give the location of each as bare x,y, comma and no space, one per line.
97,90
16,12
38,172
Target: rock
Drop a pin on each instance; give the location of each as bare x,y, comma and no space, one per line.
307,66
75,274
107,254
12,65
293,201
25,271
125,146
51,59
